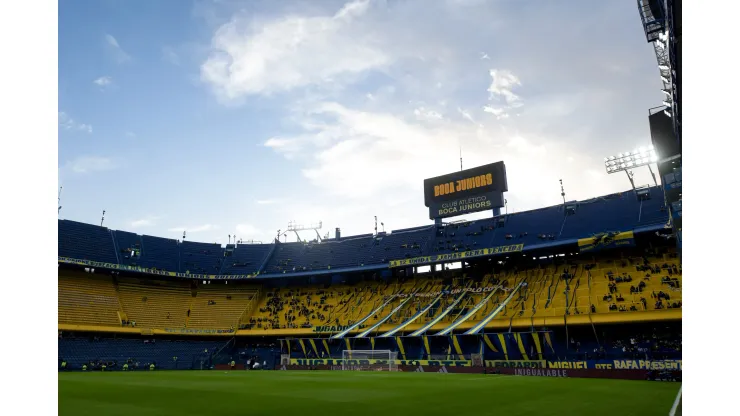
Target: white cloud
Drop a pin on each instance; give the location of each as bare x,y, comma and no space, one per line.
369,134
147,221
498,112
267,201
103,81
422,113
115,50
67,123
396,154
88,164
194,229
502,84
501,90
249,56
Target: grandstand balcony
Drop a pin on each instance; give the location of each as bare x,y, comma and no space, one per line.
200,258
160,253
245,259
85,242
129,247
550,226
87,299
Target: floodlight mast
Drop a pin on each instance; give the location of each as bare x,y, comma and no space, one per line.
295,227
628,161
631,177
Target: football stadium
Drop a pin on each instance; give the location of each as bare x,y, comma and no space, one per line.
574,308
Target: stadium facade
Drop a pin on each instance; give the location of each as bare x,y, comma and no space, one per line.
530,283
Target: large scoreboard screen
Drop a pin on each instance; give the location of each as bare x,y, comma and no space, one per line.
467,191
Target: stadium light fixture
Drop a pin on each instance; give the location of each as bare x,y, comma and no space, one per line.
627,161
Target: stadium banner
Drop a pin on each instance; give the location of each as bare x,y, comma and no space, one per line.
323,329
516,363
537,345
588,373
453,292
527,372
482,202
471,190
339,362
612,365
190,331
137,269
608,240
638,365
438,258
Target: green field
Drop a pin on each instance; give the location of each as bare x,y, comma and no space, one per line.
298,393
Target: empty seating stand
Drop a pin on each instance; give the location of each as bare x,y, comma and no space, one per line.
85,242
129,247
200,258
87,299
220,306
155,304
160,253
623,211
246,259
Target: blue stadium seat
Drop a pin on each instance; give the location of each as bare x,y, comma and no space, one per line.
85,242
622,211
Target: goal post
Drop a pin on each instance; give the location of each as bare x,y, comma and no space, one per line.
369,360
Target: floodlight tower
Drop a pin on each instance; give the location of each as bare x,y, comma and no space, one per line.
295,227
627,161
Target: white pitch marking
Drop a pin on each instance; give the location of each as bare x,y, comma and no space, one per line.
675,403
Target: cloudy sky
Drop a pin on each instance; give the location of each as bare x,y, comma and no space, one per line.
234,117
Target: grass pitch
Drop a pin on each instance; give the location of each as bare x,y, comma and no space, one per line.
277,393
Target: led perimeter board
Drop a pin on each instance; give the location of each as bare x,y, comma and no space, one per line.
467,191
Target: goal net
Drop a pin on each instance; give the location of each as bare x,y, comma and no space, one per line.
369,360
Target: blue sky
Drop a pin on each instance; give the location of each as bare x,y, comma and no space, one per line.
227,117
